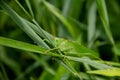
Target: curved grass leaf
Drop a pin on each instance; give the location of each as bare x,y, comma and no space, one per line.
27,47
24,46
29,7
4,74
91,24
107,72
41,32
89,62
55,11
36,27
72,8
20,22
21,45
23,9
104,16
109,63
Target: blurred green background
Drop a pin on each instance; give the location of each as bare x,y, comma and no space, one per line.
79,20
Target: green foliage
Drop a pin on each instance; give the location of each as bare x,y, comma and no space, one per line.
37,51
73,48
107,72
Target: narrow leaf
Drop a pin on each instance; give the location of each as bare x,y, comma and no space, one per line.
24,26
55,11
29,7
25,46
91,24
104,16
89,62
107,72
21,45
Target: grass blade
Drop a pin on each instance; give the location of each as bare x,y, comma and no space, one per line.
91,24
72,8
29,7
21,45
70,68
104,17
89,62
25,27
23,9
55,11
4,72
25,46
36,27
107,72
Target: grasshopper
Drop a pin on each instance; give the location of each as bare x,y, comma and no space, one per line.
73,48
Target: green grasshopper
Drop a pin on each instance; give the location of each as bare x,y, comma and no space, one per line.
73,48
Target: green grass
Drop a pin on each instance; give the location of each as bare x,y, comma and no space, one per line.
59,40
